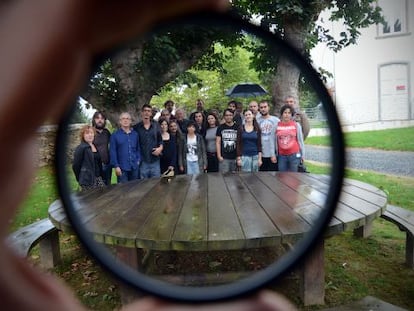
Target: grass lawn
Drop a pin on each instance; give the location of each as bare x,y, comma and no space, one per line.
401,139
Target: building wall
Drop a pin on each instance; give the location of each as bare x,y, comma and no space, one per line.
46,140
356,71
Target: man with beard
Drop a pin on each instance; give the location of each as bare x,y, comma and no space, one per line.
268,126
151,146
101,142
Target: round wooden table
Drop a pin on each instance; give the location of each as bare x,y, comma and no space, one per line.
213,212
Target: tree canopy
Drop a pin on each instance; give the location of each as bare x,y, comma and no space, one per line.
187,63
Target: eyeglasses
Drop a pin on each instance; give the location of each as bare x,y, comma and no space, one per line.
228,115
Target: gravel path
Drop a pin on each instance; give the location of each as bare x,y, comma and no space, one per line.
388,162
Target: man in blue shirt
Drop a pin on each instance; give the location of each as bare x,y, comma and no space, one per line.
124,150
151,147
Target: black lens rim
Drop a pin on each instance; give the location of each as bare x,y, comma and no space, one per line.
261,278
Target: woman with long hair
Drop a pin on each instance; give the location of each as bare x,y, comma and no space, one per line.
210,138
168,157
249,144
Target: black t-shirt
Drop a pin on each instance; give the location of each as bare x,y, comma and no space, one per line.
228,136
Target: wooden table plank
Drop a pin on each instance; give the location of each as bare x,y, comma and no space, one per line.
123,230
191,229
157,230
107,212
251,214
289,223
224,228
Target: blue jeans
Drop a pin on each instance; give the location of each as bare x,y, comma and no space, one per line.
148,170
227,166
193,168
128,176
250,164
288,163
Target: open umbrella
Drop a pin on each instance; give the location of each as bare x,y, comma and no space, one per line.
246,90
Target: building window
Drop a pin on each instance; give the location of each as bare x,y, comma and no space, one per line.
395,16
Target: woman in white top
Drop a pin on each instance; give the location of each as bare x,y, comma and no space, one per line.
193,158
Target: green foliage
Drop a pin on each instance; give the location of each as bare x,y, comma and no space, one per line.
208,84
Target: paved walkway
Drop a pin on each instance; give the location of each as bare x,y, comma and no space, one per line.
388,162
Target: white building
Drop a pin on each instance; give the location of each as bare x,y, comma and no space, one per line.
374,80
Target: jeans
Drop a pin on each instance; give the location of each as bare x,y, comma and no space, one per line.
106,173
148,170
193,168
227,166
288,163
128,176
250,164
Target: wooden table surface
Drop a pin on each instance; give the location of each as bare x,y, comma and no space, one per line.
210,212
216,212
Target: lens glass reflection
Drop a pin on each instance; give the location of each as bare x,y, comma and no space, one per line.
213,227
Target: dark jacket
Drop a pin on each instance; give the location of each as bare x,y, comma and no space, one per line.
84,165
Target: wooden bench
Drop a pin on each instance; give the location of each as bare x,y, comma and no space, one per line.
404,219
41,232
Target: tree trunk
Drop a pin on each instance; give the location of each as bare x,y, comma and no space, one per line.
286,79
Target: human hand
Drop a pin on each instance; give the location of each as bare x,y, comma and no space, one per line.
262,301
118,171
157,151
273,159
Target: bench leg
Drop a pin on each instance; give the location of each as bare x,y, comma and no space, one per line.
409,250
131,257
50,250
313,276
363,231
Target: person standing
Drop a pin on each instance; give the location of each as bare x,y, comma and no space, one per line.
150,144
193,158
87,163
235,106
249,144
298,115
101,142
200,123
210,138
254,108
199,108
168,159
226,141
182,121
267,124
170,106
124,150
177,136
289,141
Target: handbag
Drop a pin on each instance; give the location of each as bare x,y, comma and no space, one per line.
302,168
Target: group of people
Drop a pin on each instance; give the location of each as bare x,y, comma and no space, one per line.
169,143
